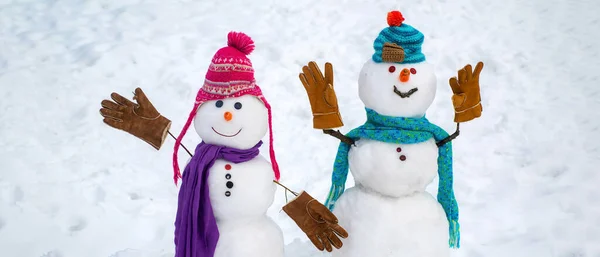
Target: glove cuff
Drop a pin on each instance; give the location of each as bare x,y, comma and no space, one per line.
327,120
155,132
468,114
297,204
297,210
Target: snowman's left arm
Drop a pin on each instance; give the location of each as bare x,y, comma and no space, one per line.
450,137
337,134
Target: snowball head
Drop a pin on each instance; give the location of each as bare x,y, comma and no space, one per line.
412,226
393,169
398,90
239,122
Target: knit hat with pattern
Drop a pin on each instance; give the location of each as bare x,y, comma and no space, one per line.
403,35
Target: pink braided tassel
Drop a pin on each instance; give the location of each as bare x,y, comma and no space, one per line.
176,173
271,150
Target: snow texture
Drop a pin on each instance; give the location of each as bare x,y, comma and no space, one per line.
380,226
240,198
70,186
249,194
253,238
393,170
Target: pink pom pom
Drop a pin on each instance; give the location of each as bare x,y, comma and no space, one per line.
241,42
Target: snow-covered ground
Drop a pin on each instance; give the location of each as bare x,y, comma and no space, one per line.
70,186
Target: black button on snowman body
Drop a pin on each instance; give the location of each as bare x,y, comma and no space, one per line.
229,184
402,157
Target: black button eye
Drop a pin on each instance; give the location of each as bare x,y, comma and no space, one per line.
238,105
219,104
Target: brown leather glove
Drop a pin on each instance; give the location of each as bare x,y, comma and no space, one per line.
141,119
317,222
323,101
466,98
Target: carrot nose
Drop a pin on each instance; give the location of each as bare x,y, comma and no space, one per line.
228,116
404,75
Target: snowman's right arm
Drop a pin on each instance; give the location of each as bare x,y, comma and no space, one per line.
337,134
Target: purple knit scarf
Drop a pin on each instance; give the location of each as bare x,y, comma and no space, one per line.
196,232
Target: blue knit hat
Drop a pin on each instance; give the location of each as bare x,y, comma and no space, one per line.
403,35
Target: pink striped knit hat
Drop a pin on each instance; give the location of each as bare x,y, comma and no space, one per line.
230,74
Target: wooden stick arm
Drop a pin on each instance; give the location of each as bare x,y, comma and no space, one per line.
450,137
337,134
286,188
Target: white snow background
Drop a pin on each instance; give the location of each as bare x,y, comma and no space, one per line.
526,175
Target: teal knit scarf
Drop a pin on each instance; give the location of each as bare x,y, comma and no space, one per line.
400,130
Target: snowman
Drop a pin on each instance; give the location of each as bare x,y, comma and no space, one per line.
397,152
227,186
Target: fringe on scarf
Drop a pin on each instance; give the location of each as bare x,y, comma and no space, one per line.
454,234
334,193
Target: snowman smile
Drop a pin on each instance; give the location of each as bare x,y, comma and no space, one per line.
407,94
220,134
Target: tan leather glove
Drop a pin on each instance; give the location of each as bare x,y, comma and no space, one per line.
323,101
317,222
141,119
466,98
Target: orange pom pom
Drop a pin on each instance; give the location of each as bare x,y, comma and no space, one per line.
394,18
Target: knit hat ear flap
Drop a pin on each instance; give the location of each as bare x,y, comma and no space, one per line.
176,172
